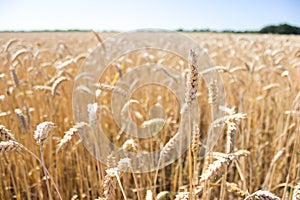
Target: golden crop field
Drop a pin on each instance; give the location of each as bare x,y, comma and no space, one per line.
257,155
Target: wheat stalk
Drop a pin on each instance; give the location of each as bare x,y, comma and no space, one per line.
41,134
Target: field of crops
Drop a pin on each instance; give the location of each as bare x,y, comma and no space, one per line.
257,156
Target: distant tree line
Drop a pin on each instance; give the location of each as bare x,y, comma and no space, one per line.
279,29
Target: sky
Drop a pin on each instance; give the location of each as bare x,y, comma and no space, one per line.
125,15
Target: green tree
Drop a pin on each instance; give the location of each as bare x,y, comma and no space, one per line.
281,29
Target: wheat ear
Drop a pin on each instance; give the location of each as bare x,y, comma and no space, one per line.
217,165
21,118
195,149
212,93
97,36
261,194
5,135
182,196
42,130
70,134
111,88
167,148
114,172
14,76
296,193
233,188
196,139
109,187
57,83
10,145
192,78
149,195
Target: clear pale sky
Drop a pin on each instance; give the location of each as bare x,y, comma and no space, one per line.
134,14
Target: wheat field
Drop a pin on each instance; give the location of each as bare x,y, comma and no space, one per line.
257,156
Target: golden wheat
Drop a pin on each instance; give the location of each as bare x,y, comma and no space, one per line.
260,77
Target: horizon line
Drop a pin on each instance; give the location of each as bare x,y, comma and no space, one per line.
177,29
